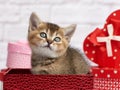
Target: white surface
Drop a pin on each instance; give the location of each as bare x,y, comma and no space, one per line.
87,14
1,85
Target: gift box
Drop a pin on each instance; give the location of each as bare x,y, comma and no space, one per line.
22,79
102,46
19,55
19,77
106,78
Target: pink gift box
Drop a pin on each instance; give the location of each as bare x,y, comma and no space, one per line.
19,55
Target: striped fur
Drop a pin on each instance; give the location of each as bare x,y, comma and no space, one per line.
50,56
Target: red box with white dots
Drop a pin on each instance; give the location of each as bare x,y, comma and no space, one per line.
106,78
102,46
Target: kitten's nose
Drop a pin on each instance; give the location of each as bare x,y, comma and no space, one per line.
49,42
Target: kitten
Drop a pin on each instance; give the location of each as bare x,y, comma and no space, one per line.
51,53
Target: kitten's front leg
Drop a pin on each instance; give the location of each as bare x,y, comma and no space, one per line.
48,62
39,70
43,72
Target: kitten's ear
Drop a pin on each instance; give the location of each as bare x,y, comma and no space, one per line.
34,22
69,31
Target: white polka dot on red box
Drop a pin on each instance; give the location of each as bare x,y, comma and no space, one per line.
106,72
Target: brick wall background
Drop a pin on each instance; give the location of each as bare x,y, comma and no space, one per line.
87,14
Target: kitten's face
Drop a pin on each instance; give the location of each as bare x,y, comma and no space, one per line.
47,39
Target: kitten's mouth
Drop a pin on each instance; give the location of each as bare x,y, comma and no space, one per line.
48,47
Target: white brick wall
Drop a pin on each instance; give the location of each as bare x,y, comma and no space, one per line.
88,14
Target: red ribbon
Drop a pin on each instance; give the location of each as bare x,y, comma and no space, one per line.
100,32
116,25
3,73
93,37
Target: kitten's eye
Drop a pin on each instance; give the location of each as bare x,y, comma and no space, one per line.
43,35
57,39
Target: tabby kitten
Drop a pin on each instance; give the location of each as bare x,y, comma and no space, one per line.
51,53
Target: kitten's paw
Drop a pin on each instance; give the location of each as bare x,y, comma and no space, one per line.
48,62
43,72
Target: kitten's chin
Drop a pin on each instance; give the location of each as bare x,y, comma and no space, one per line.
45,52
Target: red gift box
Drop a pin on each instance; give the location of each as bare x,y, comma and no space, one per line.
106,78
22,79
102,46
19,77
